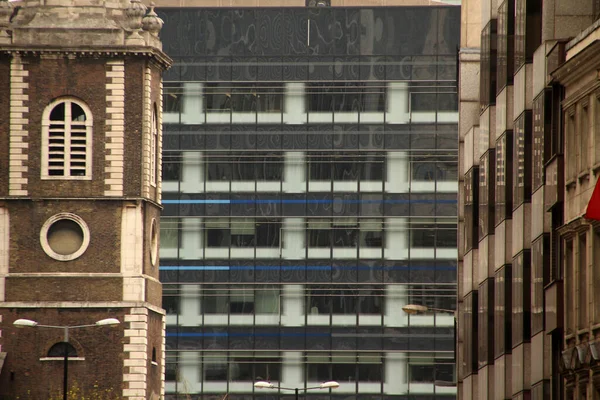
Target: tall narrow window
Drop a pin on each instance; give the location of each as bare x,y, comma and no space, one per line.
153,147
67,140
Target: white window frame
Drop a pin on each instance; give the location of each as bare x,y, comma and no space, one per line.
68,126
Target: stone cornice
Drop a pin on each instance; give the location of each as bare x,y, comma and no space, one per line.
585,61
572,228
157,55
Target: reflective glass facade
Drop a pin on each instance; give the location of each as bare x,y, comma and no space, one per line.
309,192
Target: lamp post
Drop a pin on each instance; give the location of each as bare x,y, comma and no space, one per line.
412,309
27,323
269,385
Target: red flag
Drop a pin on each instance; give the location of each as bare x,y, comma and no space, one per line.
593,207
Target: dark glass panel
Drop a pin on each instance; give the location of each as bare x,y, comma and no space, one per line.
422,235
345,232
521,298
540,261
346,166
214,365
470,358
319,233
217,233
318,300
528,30
173,97
542,121
486,323
320,166
219,166
504,177
373,165
241,300
268,232
506,32
218,97
430,167
371,233
522,159
320,97
370,299
503,311
487,80
487,194
421,373
433,296
171,165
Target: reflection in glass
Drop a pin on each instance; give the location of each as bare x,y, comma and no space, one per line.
172,97
215,366
241,299
431,167
371,233
345,232
169,233
171,165
319,232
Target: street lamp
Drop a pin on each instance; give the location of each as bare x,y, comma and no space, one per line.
269,385
28,323
418,309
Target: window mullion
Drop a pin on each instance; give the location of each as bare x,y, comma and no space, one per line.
67,157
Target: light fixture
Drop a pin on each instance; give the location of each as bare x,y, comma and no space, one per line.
25,323
108,321
263,385
329,385
414,309
444,383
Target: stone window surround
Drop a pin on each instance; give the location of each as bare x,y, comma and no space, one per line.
46,139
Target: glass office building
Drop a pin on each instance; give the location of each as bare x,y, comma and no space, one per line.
309,191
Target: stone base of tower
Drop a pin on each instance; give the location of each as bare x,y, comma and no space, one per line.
123,361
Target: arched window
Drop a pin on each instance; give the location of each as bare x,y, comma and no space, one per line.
67,140
58,350
153,146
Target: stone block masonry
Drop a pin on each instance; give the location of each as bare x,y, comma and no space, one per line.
115,128
19,143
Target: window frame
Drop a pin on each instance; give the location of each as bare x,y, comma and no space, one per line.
68,125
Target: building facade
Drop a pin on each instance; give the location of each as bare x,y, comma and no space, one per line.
528,256
80,193
309,192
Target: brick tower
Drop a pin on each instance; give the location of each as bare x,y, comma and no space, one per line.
80,149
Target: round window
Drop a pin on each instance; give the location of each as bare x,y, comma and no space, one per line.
65,237
153,243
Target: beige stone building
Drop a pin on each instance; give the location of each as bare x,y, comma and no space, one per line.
528,259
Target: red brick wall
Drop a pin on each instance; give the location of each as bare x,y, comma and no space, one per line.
85,79
134,112
154,341
26,376
102,217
